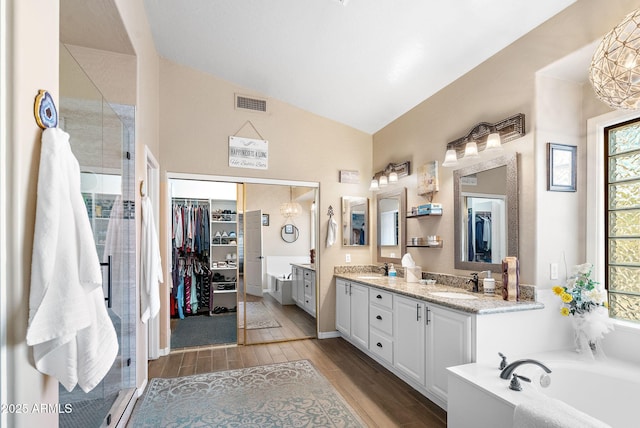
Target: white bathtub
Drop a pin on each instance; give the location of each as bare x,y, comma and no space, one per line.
607,390
280,286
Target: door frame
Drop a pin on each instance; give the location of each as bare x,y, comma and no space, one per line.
238,180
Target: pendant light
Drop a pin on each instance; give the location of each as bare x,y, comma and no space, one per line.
290,209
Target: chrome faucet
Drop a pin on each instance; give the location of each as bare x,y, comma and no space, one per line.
474,280
508,370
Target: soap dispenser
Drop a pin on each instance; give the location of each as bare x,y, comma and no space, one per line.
489,284
392,271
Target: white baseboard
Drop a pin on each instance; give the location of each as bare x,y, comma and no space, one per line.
164,351
140,390
328,334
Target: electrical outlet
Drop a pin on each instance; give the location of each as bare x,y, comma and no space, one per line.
553,270
347,258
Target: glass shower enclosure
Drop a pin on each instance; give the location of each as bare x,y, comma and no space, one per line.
101,138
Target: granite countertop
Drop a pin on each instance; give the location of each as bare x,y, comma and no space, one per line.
481,305
310,266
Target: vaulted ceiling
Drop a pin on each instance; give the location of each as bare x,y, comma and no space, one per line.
363,63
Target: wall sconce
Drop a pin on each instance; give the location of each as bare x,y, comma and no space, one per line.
389,175
484,137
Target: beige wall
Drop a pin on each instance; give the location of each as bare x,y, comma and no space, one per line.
498,88
197,118
32,66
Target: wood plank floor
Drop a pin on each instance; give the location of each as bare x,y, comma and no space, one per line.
295,323
379,397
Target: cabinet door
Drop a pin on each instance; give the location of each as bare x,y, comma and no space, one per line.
409,338
343,307
360,315
310,291
294,287
448,344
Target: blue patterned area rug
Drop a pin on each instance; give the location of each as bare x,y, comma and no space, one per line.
291,394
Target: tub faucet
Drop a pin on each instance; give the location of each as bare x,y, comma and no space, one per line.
507,371
474,280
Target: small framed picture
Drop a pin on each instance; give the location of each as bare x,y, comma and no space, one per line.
561,160
288,229
265,219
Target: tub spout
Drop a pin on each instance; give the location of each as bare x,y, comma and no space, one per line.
506,372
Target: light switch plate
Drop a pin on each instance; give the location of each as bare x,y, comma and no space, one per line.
347,258
553,271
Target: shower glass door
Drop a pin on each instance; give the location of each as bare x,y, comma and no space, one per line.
102,141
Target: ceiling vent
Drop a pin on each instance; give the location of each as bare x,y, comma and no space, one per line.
248,103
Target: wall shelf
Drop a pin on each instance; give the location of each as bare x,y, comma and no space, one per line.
423,215
436,245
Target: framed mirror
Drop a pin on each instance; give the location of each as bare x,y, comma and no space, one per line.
391,220
355,221
289,233
486,213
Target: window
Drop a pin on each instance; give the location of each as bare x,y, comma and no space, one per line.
622,209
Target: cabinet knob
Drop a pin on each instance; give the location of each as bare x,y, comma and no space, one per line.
379,345
378,297
378,317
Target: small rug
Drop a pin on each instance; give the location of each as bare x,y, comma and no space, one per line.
202,330
291,394
258,316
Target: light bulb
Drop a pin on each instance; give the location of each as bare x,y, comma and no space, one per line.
471,150
450,158
493,142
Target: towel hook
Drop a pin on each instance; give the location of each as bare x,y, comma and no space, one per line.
330,211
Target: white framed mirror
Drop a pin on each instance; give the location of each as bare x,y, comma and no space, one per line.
486,213
391,220
355,221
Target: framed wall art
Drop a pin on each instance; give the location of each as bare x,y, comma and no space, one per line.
561,164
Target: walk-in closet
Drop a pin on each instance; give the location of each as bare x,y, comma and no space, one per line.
233,253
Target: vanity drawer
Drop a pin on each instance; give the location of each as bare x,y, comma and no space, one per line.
381,346
381,319
381,298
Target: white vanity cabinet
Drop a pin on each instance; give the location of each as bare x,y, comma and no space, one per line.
309,291
352,312
448,343
381,324
415,339
296,278
409,341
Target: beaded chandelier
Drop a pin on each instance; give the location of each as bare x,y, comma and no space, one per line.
615,67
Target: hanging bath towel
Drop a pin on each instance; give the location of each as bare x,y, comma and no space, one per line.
150,264
70,330
332,232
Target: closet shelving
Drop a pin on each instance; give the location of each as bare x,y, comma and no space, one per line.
224,252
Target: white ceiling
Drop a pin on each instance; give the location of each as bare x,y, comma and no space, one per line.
363,64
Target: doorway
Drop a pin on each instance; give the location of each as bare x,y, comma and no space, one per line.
258,232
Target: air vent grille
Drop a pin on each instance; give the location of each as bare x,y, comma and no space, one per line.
253,104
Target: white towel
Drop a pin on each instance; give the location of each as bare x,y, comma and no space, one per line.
552,413
332,232
72,336
150,264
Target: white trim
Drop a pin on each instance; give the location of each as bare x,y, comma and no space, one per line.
595,191
142,387
4,112
245,180
165,351
152,177
328,334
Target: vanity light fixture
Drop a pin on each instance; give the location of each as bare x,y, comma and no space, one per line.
615,67
389,175
484,137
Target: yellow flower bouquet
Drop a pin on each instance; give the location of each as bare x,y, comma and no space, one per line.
586,303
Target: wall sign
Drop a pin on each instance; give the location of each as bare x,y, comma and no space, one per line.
248,153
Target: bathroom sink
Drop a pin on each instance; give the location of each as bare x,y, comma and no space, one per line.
370,277
453,295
